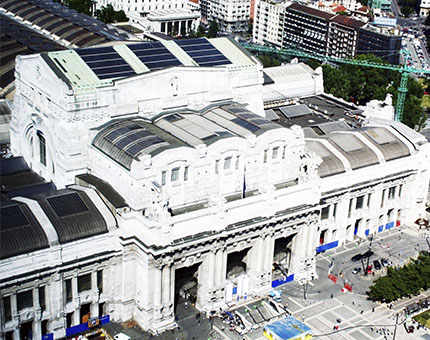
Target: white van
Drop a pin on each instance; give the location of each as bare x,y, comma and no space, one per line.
121,336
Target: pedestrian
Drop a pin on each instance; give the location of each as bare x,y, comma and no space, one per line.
361,312
353,303
331,295
373,309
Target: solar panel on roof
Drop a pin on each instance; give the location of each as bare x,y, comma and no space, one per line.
138,147
66,205
245,124
203,52
154,55
193,41
12,217
261,121
105,62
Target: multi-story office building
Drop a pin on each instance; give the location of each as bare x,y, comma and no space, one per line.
165,175
380,6
306,28
378,40
231,15
315,31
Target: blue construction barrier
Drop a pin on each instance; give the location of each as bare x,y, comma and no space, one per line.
367,232
49,336
234,290
285,279
83,327
380,228
389,225
327,246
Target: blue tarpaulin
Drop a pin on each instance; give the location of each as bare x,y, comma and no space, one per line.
276,283
367,232
49,336
327,246
389,225
380,228
287,328
234,290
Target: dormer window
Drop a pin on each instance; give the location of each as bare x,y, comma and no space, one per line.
186,173
175,175
275,152
227,163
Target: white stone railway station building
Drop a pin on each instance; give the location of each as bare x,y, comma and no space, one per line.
180,166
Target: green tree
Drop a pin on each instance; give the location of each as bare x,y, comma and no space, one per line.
213,29
268,60
407,10
109,15
361,84
197,34
82,6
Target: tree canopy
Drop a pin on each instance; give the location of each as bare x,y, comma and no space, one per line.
408,280
360,84
213,29
82,6
109,15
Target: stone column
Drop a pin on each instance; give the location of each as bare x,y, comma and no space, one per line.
94,309
219,269
157,288
76,301
15,315
166,284
37,326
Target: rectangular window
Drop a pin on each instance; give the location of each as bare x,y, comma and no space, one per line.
275,153
42,149
284,150
350,207
7,309
42,301
359,202
69,295
400,190
163,178
368,200
324,212
175,175
334,210
186,173
84,283
237,163
25,300
382,198
100,280
227,163
391,193
390,215
217,166
265,156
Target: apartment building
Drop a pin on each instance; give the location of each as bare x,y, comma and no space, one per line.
343,36
232,16
269,22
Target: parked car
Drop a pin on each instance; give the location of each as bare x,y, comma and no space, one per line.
377,265
368,253
369,269
384,262
356,270
276,295
356,258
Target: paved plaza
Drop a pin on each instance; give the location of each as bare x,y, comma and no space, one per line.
325,302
